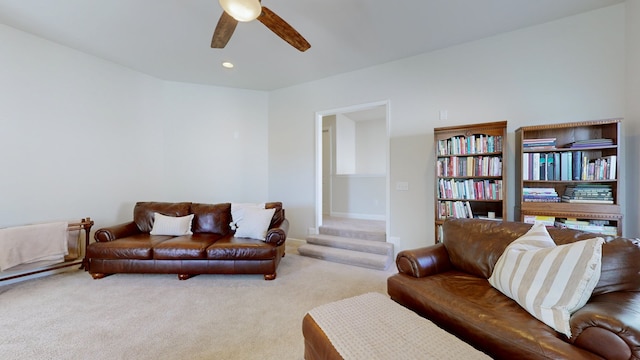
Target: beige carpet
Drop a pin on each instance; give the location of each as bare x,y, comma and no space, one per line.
130,316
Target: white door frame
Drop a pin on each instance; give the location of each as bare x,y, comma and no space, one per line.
319,116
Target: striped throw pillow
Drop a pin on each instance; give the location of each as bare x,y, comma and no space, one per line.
170,225
550,282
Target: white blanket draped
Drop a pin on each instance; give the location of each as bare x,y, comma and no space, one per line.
31,243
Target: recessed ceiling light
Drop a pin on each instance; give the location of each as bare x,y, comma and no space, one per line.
228,65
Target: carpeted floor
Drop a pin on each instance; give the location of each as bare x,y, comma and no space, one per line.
132,316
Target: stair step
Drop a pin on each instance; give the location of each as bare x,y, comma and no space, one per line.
344,256
351,233
370,246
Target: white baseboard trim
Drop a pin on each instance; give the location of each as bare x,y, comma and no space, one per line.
358,216
36,275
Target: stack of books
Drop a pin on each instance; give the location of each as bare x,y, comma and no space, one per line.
590,143
540,195
539,144
588,193
546,220
595,226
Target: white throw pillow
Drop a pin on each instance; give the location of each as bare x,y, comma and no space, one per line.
254,223
237,212
170,225
550,282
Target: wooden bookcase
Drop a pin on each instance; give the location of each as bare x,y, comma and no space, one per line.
470,168
585,154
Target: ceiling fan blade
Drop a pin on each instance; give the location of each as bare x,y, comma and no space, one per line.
281,28
225,28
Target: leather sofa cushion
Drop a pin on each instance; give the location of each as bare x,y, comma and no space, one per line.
185,247
278,215
474,245
143,212
471,308
211,218
232,248
620,266
139,247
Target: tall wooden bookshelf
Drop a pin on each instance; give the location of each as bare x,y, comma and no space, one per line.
470,166
583,157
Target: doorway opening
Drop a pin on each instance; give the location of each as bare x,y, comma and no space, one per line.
352,164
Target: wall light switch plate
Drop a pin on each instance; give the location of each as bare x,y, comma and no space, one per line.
402,186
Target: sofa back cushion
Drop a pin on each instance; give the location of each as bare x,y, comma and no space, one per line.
211,218
143,212
620,266
278,215
474,245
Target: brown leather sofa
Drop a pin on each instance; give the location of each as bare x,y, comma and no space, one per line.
447,283
211,249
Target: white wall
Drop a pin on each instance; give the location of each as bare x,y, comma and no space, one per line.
359,196
568,70
215,148
81,137
76,134
371,147
632,119
345,145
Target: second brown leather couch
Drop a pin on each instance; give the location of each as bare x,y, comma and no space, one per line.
211,249
447,283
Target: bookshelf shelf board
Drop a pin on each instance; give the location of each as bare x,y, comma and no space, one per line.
591,148
465,155
470,200
564,207
572,182
471,177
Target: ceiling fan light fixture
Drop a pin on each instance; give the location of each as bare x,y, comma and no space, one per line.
242,10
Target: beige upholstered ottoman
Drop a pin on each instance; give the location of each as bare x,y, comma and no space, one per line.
372,326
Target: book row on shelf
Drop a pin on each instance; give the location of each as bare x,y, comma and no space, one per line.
454,209
461,209
580,193
567,166
595,226
474,144
469,166
470,189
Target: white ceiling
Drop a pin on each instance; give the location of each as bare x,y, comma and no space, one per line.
170,39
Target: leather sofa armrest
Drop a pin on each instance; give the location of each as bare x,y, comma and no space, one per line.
424,261
278,234
115,232
609,325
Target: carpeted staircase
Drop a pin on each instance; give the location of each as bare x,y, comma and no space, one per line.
356,245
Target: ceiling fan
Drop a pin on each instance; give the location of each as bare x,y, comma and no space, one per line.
248,10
